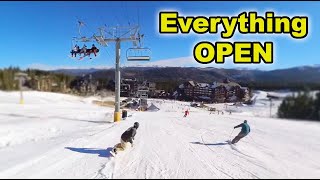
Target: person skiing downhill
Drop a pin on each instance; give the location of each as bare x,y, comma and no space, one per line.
186,112
245,130
126,137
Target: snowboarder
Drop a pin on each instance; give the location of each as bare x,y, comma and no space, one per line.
126,137
245,130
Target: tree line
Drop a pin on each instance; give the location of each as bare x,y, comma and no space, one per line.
36,77
302,106
7,81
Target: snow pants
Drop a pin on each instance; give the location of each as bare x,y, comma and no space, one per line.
121,146
238,137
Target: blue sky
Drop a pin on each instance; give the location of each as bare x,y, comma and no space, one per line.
38,34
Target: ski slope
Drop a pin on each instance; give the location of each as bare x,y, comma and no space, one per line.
62,136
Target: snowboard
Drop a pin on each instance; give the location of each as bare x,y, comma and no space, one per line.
112,153
120,151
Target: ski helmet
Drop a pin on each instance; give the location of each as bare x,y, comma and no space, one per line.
245,121
136,125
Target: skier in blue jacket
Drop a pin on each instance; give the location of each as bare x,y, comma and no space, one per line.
245,130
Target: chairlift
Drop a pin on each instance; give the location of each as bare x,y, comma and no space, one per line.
84,53
138,54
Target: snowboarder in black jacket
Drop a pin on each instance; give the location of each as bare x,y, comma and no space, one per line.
126,137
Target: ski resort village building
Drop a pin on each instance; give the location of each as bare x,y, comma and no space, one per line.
131,87
216,92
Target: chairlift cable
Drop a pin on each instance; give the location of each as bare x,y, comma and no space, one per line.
138,16
126,12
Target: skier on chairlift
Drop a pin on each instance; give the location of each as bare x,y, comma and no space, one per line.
75,50
94,49
84,50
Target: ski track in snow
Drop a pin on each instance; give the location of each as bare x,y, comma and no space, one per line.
61,136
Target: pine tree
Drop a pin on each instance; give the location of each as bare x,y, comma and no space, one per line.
302,106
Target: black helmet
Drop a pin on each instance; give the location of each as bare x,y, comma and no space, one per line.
245,121
136,125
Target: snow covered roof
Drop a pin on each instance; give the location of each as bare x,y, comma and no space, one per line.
233,84
227,85
202,84
192,83
153,108
159,91
217,84
175,93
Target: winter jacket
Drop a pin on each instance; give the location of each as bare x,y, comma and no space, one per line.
245,128
128,135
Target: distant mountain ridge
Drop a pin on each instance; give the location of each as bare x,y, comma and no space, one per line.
303,74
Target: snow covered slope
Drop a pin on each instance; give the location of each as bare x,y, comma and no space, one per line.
61,136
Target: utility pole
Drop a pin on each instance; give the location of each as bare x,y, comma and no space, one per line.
117,113
118,34
270,106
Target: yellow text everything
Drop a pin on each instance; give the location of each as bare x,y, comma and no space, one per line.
246,23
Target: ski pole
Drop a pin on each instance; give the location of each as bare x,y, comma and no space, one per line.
252,139
231,134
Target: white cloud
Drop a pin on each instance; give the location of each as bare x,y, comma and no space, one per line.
190,62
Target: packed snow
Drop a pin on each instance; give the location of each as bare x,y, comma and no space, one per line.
62,136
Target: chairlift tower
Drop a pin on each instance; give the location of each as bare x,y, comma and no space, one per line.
117,35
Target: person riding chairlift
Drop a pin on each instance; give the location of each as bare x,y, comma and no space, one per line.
84,50
94,49
75,50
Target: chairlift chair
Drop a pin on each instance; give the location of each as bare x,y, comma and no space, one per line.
138,54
